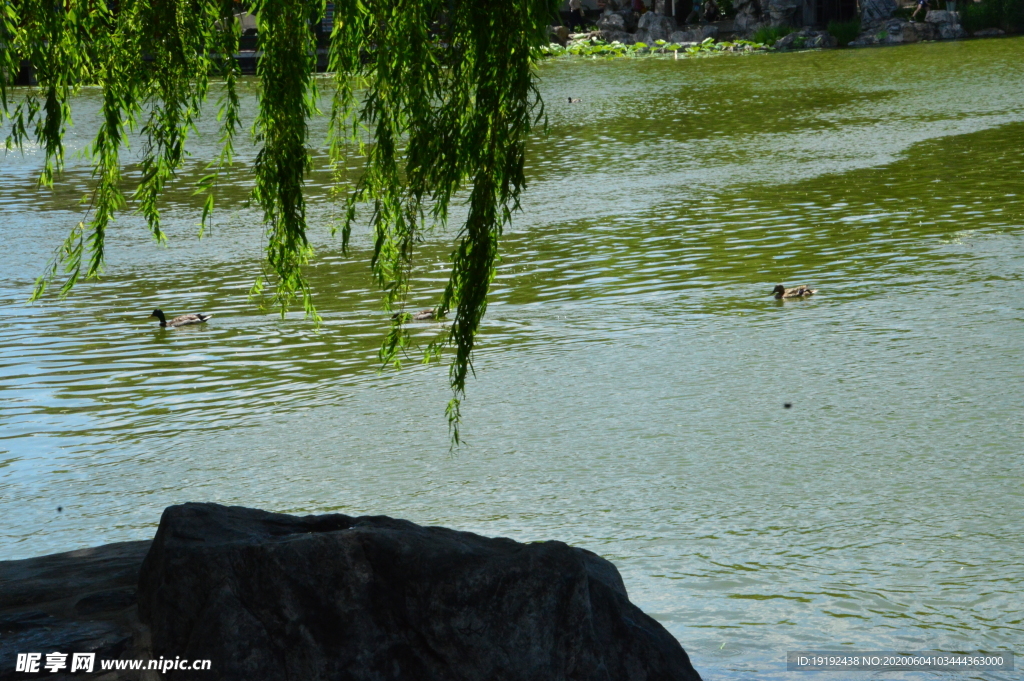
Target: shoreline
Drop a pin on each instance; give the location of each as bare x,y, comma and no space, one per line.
655,34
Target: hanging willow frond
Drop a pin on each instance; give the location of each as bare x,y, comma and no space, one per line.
447,97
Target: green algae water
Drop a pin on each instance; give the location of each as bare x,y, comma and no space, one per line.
633,367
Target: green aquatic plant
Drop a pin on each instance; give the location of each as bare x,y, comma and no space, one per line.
845,32
769,35
594,47
446,99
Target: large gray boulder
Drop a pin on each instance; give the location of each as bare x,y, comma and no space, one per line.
917,32
611,22
275,597
874,12
748,14
80,601
696,35
656,26
627,20
558,34
618,36
781,12
947,23
891,32
806,39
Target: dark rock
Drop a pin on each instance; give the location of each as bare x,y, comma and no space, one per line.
611,22
895,32
111,600
629,19
989,33
79,601
941,16
806,39
748,14
558,34
656,27
65,575
947,23
916,32
696,35
269,596
781,12
873,12
952,32
618,36
107,639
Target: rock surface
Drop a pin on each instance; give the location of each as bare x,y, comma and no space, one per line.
626,21
558,34
948,24
696,35
989,33
781,12
274,597
618,36
806,39
873,12
80,601
655,27
748,14
938,25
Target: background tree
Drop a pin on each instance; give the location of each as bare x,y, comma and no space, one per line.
440,96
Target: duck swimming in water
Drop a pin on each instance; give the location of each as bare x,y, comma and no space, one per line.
182,320
781,292
421,316
575,100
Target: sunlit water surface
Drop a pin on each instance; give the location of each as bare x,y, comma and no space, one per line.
632,369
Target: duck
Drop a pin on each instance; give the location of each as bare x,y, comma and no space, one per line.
428,315
182,320
575,100
781,292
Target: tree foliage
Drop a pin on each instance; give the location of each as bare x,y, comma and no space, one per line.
439,94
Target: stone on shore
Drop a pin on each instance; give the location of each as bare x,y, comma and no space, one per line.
80,601
806,39
618,20
938,25
874,12
655,26
274,597
948,24
618,36
781,12
989,33
558,34
696,35
748,14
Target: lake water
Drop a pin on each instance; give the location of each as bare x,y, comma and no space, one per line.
632,368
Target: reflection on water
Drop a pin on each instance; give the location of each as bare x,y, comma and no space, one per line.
633,365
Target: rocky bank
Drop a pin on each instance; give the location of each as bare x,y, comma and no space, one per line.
269,596
878,26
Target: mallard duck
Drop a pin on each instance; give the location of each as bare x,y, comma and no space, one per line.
575,100
182,320
781,292
422,316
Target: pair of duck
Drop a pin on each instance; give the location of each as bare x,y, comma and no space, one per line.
780,292
186,319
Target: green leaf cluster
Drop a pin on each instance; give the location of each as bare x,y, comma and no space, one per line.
439,96
595,47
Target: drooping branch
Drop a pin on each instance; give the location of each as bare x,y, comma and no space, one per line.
441,95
